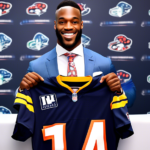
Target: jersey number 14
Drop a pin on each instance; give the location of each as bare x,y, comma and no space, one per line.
95,138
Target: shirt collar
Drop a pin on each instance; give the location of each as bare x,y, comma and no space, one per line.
78,50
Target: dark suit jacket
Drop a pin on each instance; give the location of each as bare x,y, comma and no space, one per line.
46,66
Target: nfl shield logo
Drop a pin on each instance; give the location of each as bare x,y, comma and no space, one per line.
74,97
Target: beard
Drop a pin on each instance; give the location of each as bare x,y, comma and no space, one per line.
77,39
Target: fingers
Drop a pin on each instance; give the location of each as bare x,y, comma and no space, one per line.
24,85
103,79
115,87
29,80
112,81
32,81
38,76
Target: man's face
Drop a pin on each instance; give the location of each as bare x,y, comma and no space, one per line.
68,26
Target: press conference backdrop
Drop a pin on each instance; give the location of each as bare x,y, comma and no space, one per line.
116,29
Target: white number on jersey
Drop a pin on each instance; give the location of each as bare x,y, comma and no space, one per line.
95,138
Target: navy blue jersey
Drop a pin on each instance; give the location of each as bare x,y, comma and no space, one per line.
72,113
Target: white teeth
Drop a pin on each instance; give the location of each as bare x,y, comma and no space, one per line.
68,33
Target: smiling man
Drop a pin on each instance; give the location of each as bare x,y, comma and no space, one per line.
70,58
68,26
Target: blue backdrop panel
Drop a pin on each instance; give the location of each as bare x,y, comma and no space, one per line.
116,29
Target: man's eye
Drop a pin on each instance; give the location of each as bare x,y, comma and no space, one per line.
75,22
61,22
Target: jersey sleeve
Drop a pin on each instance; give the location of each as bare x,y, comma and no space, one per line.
121,116
24,126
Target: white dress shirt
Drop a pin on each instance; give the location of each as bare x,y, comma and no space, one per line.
62,61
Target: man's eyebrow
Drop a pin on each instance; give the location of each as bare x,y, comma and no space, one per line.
61,18
72,18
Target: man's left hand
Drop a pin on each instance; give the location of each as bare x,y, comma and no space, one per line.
112,81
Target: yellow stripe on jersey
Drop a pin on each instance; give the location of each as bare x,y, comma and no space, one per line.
28,106
26,97
119,98
118,102
118,105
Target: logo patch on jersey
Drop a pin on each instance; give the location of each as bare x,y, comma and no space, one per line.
85,40
121,43
120,10
124,76
48,101
5,41
4,110
39,42
5,8
38,8
84,10
5,76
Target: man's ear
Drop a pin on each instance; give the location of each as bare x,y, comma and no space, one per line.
55,24
81,24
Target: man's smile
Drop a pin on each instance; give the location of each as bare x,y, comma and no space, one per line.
68,35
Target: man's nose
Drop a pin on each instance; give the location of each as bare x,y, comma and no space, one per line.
68,26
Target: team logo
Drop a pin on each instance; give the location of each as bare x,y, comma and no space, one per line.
38,8
5,76
48,101
84,10
148,78
121,43
85,40
124,76
39,42
5,41
120,10
5,8
4,110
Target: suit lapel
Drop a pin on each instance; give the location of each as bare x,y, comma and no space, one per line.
89,62
51,64
52,67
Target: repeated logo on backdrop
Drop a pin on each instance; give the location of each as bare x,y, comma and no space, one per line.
5,41
5,8
121,43
123,75
37,8
148,78
84,10
85,40
122,8
5,76
4,110
39,42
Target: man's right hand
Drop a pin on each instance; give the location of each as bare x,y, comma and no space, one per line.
29,80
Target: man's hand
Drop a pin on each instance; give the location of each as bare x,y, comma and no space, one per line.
29,80
112,81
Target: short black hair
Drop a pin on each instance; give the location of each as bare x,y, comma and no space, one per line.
69,3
